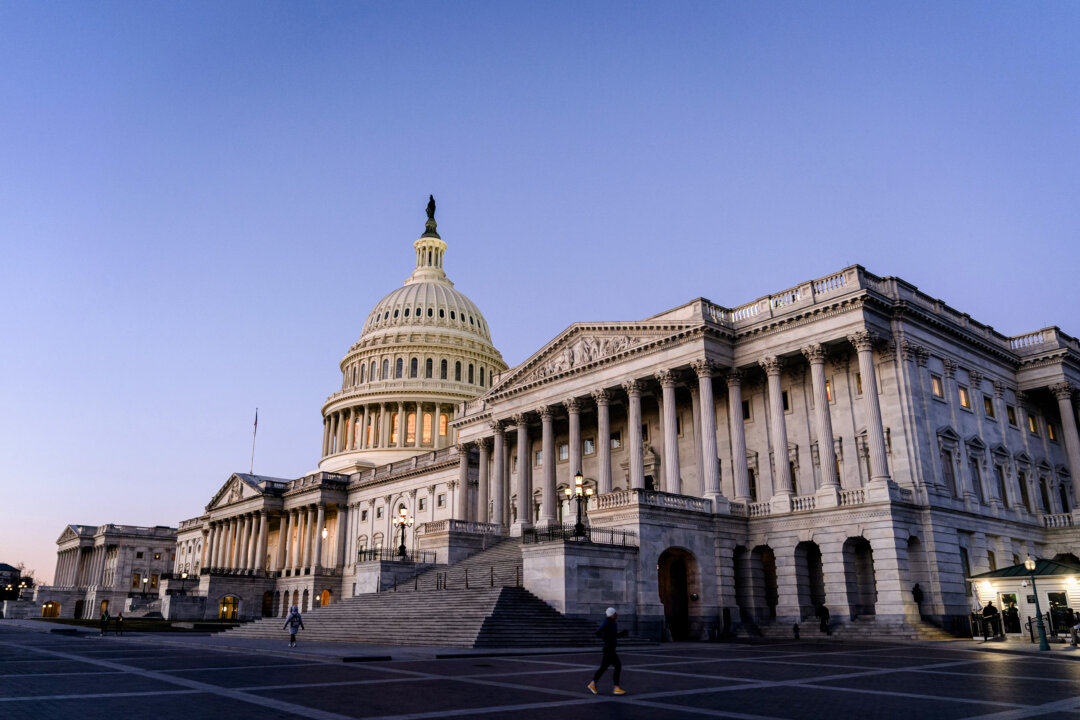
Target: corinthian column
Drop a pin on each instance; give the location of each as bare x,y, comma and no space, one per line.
771,365
672,474
875,434
461,496
573,408
603,440
1064,392
483,482
317,561
260,547
822,417
524,491
709,465
498,483
547,506
634,442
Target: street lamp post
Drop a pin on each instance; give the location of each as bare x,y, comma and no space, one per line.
145,580
1030,565
403,521
183,581
581,494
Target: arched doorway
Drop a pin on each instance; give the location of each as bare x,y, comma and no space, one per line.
919,575
764,564
859,576
78,609
268,604
677,579
809,578
324,598
104,606
229,608
741,559
304,607
50,609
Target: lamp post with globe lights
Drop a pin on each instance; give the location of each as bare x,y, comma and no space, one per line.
581,494
1030,565
403,521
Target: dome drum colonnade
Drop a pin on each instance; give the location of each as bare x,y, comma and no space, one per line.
496,446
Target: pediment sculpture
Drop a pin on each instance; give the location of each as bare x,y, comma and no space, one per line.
583,351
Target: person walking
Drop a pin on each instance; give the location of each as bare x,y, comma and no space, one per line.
120,624
104,622
609,633
293,622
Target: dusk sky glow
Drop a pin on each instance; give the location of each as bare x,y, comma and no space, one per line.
200,202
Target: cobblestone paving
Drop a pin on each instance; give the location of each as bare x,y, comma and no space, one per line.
50,676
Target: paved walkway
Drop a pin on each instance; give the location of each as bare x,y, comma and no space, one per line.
48,675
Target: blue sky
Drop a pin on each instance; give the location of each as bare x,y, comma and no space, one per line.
200,202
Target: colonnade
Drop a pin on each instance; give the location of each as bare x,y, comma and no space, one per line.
370,426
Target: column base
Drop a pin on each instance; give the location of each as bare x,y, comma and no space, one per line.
879,490
545,523
518,528
827,497
720,504
780,503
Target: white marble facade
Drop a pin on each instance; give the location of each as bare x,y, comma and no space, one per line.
833,443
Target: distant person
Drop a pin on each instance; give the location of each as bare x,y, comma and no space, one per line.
1012,618
609,633
990,617
104,622
917,596
120,624
822,613
293,622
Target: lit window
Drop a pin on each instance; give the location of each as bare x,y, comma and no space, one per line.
1010,412
441,500
394,423
858,383
590,446
616,440
564,452
153,582
937,386
136,578
828,390
1033,426
427,427
442,425
988,406
1050,432
410,428
965,399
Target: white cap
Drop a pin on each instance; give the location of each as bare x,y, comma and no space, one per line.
610,611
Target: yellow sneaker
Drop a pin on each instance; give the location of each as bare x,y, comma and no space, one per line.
592,688
618,691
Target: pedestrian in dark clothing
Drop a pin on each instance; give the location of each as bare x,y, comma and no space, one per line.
294,622
917,596
822,613
990,617
104,622
609,633
120,624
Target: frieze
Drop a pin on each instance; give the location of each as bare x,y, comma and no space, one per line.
584,351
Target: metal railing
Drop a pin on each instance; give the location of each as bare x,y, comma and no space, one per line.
391,555
600,536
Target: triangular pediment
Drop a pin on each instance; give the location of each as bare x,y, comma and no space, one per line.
999,451
68,534
586,345
235,489
948,433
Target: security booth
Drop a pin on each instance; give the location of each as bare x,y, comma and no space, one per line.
1013,591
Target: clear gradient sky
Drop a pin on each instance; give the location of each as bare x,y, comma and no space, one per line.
200,202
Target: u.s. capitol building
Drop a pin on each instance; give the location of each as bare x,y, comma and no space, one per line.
833,443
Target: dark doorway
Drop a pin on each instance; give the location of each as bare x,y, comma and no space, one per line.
810,579
859,576
78,609
768,576
268,604
673,576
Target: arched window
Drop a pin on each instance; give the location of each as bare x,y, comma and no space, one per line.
385,368
426,437
442,313
442,424
453,315
406,312
429,368
470,320
413,366
442,370
430,312
481,376
417,312
400,368
371,373
470,373
410,429
457,371
395,313
363,369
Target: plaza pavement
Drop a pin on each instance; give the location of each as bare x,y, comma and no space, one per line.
165,677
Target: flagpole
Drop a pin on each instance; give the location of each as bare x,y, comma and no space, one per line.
251,470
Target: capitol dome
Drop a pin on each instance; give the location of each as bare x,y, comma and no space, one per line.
424,348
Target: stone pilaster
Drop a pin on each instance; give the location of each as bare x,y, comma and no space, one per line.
1064,394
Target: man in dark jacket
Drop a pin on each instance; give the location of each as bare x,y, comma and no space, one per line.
609,632
104,622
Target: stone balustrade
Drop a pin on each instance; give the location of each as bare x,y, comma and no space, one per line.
852,497
761,509
462,526
1058,520
803,503
638,496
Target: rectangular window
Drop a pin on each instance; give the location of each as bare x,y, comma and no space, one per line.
441,500
644,432
678,424
616,440
1010,412
947,473
153,582
752,477
937,386
965,565
1051,432
539,462
589,446
136,580
394,418
378,512
992,560
1033,425
363,515
965,399
564,452
976,480
828,390
138,555
988,406
422,502
787,403
1021,480
858,383
746,410
1000,470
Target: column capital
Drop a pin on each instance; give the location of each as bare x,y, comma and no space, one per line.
949,367
771,364
703,368
462,447
1062,391
999,389
451,484
518,419
976,378
496,427
814,353
665,377
601,396
863,340
632,388
547,413
483,443
734,377
573,405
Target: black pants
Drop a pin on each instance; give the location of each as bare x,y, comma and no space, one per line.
610,658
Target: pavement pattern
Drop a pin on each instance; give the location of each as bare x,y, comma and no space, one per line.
45,675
